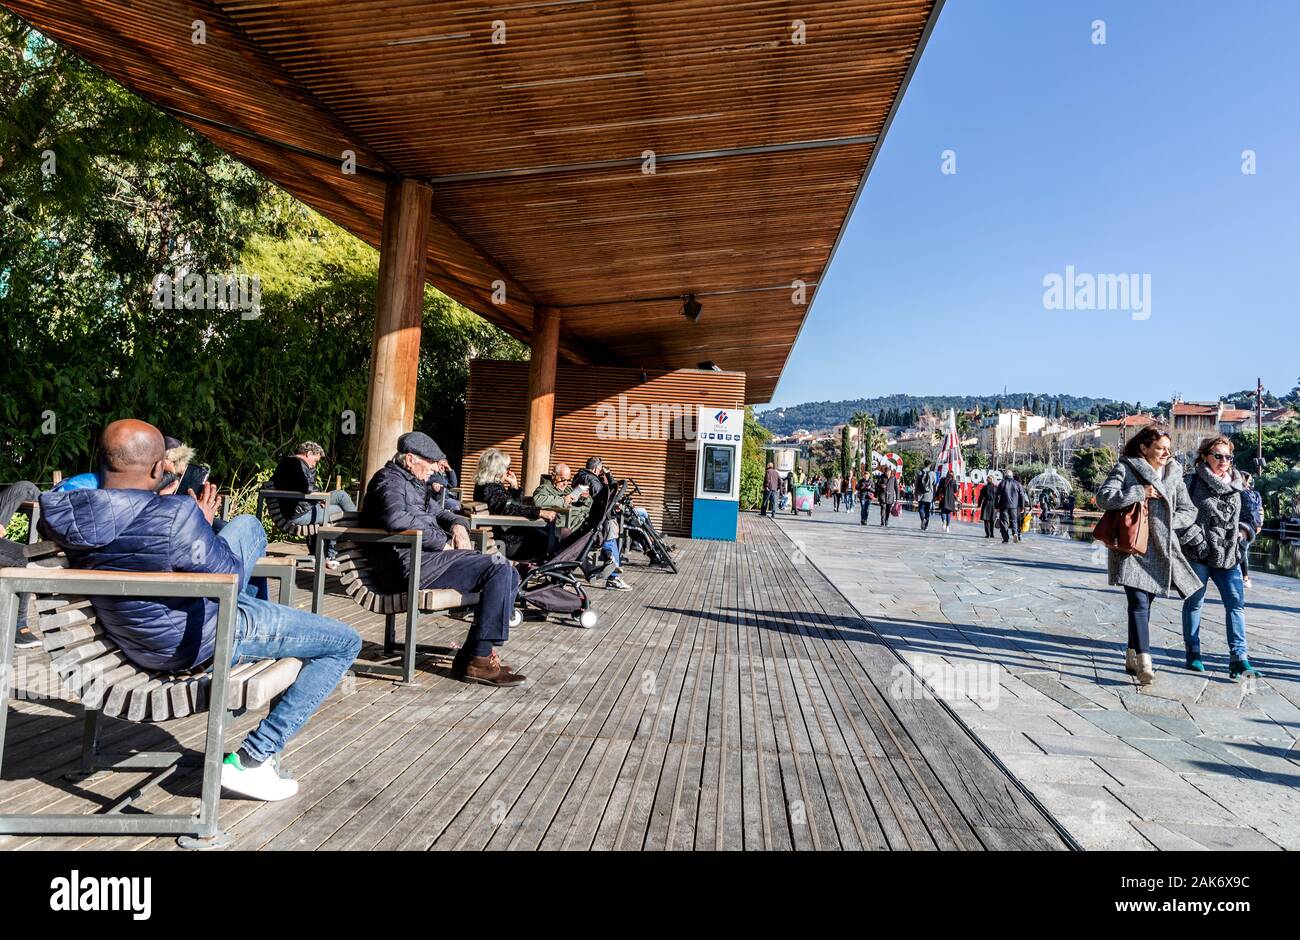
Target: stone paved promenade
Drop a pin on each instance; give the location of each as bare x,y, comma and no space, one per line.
1026,642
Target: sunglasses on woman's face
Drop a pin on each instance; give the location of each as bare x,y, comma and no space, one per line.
1221,456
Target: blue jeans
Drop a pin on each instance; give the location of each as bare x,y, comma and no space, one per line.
335,506
611,547
1232,591
848,500
923,510
272,631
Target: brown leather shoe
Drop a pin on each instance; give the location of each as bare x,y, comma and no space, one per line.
489,670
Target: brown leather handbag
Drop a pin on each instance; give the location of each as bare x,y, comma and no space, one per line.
1126,530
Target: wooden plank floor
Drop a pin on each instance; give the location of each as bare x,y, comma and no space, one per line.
732,706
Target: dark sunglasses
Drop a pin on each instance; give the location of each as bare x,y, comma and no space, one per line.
1221,456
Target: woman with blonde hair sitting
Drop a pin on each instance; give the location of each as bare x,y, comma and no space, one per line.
495,484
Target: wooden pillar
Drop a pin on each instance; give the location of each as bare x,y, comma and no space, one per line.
399,311
541,397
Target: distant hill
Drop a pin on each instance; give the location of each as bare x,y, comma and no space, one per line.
823,415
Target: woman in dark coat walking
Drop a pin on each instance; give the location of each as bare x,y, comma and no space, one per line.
988,504
947,497
887,494
1213,545
1147,472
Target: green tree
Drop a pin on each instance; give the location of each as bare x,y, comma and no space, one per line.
101,195
753,461
1090,466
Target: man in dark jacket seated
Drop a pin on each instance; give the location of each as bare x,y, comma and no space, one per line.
127,526
399,497
296,473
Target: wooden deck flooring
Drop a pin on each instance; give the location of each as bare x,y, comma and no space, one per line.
731,706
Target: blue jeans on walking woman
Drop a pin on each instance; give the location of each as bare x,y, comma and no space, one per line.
1232,590
273,631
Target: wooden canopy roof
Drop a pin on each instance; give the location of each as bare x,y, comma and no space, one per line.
535,146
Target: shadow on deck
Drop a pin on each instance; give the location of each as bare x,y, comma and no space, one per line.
730,706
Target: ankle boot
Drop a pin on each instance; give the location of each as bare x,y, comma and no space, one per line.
1146,670
489,670
1131,661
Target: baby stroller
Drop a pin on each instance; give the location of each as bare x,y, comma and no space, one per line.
641,532
550,585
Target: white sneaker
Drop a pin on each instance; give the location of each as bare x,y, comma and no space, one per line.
260,782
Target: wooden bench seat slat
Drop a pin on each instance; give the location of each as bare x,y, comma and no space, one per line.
67,618
159,702
179,695
137,707
239,677
270,682
101,684
52,602
62,639
115,704
74,656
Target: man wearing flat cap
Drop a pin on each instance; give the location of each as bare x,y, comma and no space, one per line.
400,497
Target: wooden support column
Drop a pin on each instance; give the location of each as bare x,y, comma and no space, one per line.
399,312
541,397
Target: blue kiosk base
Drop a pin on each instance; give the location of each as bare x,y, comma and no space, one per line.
715,519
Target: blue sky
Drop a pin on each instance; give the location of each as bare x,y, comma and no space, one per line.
1116,158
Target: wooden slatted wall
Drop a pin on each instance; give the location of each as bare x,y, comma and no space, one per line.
606,412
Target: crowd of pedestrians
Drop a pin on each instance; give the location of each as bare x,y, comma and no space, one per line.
1200,522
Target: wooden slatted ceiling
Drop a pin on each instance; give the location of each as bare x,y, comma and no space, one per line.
418,88
652,453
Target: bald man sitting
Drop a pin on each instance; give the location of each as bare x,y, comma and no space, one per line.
556,492
126,525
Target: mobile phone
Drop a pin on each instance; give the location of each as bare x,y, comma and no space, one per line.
195,476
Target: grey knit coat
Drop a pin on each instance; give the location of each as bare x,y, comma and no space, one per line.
1213,538
1163,568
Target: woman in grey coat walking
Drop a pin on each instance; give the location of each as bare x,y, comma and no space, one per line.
1148,472
1213,544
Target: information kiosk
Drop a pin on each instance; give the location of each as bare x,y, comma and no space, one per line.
719,435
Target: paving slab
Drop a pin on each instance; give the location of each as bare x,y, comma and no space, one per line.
1125,724
1069,720
1178,805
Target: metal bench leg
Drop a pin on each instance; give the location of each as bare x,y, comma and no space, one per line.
318,578
8,636
89,747
390,634
408,659
286,580
412,612
207,835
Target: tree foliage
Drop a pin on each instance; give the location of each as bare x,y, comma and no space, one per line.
101,195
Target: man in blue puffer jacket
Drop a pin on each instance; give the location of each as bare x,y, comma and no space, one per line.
125,525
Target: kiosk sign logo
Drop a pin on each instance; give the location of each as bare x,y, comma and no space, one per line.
720,417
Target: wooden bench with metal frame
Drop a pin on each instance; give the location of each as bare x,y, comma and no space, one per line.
363,588
91,667
270,500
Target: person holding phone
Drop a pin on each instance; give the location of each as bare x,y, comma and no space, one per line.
126,524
